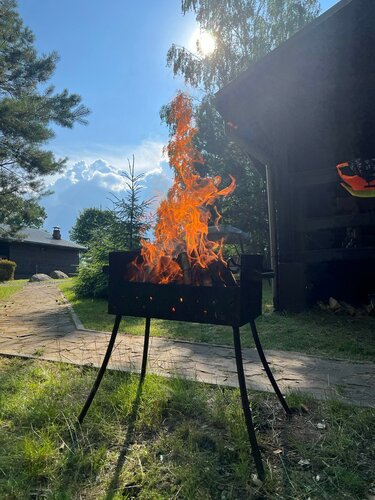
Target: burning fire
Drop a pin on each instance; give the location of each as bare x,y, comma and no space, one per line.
181,251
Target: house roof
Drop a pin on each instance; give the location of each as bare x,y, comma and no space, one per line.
37,237
309,98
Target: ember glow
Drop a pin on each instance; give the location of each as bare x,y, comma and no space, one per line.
181,252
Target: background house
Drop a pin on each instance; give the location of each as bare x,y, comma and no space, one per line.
301,110
37,251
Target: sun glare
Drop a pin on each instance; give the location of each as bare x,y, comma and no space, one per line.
202,42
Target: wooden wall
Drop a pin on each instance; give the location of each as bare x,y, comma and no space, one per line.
326,240
32,259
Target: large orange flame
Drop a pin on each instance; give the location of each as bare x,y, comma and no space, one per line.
183,217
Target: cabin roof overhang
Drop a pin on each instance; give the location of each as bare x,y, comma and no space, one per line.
311,99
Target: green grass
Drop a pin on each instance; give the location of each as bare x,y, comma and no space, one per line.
8,288
314,332
172,439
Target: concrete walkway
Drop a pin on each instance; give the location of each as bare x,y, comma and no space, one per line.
37,322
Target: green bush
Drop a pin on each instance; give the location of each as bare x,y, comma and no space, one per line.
7,269
91,281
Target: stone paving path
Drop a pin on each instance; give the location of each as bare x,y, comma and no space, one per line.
37,322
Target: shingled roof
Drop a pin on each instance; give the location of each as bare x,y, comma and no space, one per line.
37,237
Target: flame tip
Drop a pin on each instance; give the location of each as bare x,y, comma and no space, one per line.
184,215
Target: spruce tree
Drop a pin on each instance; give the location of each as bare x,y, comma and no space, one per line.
131,212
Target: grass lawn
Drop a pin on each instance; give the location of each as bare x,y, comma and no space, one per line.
172,439
8,288
314,332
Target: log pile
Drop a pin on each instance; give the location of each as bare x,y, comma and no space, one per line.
342,307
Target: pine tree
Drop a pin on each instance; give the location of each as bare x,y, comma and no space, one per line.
28,108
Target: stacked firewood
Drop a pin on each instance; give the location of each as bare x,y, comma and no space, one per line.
342,307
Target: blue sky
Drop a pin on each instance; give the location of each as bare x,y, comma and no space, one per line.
113,53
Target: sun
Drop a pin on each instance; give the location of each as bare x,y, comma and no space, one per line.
202,42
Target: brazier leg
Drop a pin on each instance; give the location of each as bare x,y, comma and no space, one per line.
267,368
145,348
246,405
102,370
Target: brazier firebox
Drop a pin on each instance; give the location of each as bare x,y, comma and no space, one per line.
220,305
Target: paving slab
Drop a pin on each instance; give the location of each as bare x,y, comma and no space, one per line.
37,322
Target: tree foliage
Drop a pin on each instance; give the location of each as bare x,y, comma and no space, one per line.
90,222
28,108
244,31
18,211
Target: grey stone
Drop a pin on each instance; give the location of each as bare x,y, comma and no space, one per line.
40,277
58,275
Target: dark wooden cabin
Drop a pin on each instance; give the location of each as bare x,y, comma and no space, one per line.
37,251
301,110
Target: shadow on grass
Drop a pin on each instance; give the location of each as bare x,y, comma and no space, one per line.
37,401
114,484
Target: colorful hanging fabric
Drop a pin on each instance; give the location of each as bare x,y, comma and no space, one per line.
358,176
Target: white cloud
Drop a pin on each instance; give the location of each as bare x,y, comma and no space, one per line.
110,180
92,175
106,171
86,185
